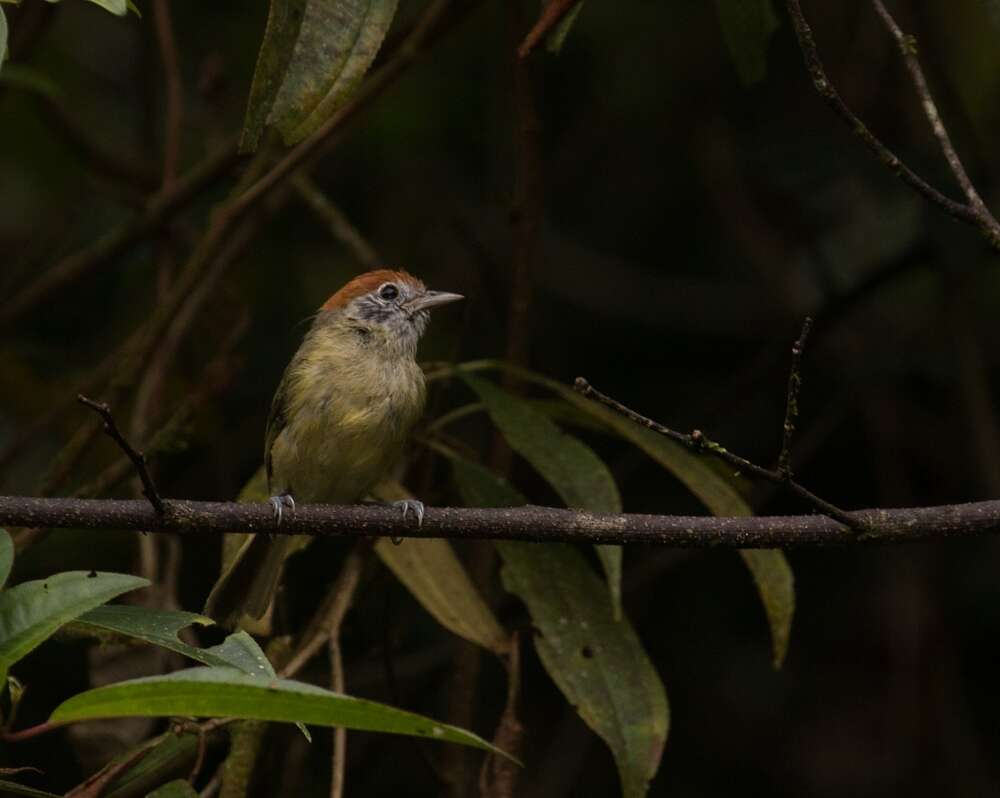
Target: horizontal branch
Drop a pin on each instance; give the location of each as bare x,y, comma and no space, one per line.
530,524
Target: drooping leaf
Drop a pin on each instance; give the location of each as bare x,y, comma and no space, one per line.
431,571
437,579
119,7
480,487
555,40
331,44
3,37
13,788
769,568
284,20
6,556
598,662
571,467
748,26
178,788
776,585
26,78
227,692
32,611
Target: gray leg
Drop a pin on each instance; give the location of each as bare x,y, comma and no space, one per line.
410,506
278,502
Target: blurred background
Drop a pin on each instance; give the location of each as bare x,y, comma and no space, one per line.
667,242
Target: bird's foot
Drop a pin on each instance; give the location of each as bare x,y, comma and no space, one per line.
278,502
409,506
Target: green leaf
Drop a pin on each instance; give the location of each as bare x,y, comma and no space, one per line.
13,788
170,755
32,611
747,26
27,78
284,20
769,568
226,692
6,556
555,40
598,662
119,7
178,788
331,44
3,38
776,585
480,487
437,579
160,627
571,467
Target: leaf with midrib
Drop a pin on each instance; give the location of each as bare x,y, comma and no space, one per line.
597,662
6,556
32,611
227,692
577,474
769,567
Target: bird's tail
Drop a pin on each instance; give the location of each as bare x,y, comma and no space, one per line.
247,586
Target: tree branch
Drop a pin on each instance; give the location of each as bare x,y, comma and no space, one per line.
529,523
697,442
792,401
137,458
971,213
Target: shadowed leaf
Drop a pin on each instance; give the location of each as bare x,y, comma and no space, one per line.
32,611
431,571
579,476
227,692
555,40
6,556
314,54
13,788
747,26
597,662
178,788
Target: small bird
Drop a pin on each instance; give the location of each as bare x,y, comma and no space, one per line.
339,419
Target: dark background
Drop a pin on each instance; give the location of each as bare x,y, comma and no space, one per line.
688,225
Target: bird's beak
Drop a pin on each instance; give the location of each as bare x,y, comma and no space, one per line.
431,299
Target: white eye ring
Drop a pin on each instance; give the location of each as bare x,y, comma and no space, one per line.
388,292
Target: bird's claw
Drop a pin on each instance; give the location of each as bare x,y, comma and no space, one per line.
278,502
410,506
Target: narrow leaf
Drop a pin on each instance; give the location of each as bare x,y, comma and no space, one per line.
336,42
284,20
32,611
747,26
576,473
3,37
170,755
178,788
776,585
597,661
431,571
226,692
555,40
6,556
437,579
13,788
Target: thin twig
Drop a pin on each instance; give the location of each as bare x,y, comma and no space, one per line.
792,401
552,14
908,50
137,458
697,442
336,221
822,84
529,524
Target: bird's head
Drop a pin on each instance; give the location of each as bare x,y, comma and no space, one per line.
389,307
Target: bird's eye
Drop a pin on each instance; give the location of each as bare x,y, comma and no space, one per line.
388,292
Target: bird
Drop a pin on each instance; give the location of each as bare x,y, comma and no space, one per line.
338,422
